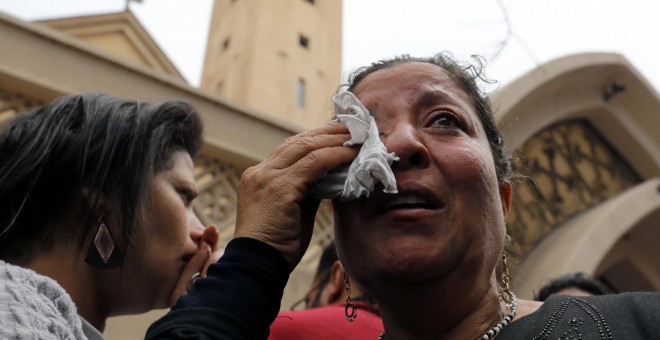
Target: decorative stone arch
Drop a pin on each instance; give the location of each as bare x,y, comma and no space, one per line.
584,243
605,92
581,87
566,168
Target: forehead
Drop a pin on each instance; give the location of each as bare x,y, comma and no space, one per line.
182,160
180,165
409,78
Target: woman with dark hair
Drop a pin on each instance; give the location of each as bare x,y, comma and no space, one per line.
425,248
96,216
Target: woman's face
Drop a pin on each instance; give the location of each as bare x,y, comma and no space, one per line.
448,214
168,236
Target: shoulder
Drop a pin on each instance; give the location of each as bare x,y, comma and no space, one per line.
616,316
33,290
636,306
634,301
632,315
34,304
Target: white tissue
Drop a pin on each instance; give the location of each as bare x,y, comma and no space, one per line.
372,164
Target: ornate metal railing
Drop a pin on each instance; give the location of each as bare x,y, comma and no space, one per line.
566,168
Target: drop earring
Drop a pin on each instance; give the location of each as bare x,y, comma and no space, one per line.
104,253
507,295
350,311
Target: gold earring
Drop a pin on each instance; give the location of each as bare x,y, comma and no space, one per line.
507,296
350,311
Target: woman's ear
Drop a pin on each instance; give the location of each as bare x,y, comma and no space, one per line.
505,196
96,202
336,285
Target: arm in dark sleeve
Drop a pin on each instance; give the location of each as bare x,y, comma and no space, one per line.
238,299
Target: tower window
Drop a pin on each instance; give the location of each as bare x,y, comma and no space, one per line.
225,44
310,1
303,41
300,93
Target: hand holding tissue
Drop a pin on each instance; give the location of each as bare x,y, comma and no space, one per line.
371,166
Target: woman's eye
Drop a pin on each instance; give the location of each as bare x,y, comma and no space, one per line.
186,196
446,119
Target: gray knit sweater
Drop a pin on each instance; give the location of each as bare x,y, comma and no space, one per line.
33,306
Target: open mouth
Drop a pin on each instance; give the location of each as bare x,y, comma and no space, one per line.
408,202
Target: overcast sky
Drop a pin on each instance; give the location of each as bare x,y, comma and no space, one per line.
374,29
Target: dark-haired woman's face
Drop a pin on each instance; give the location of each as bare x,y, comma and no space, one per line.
169,235
449,212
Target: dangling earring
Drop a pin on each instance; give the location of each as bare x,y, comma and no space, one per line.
350,311
507,295
104,253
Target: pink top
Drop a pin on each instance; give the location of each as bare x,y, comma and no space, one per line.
327,323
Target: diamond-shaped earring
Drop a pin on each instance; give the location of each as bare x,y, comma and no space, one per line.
104,242
104,252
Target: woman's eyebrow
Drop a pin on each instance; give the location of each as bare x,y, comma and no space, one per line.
426,98
433,97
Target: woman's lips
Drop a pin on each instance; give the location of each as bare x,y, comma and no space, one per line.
408,202
409,199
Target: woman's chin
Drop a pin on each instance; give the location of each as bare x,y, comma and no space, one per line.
409,269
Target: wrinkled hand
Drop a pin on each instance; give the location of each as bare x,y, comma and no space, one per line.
273,201
207,254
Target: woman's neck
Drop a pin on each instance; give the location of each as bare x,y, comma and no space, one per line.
438,310
71,272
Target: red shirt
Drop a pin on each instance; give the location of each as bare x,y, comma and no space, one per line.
327,322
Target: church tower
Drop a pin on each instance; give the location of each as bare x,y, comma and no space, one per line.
279,57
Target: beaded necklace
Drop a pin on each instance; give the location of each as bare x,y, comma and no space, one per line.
497,328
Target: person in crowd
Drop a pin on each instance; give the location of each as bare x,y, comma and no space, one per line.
426,252
325,303
96,217
573,284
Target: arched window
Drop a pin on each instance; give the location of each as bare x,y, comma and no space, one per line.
567,168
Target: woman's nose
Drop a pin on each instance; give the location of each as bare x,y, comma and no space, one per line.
196,229
405,142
